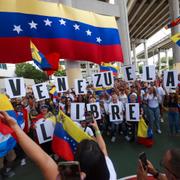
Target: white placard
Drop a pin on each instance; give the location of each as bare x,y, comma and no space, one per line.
44,130
149,73
116,112
40,91
170,79
61,84
77,111
95,109
132,111
80,86
129,73
103,79
15,87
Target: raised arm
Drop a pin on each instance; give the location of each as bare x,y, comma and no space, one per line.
46,164
99,138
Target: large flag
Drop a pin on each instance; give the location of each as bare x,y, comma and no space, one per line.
109,67
67,135
54,28
173,23
7,142
176,39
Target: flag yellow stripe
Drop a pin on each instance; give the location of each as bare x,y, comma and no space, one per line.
72,129
57,10
5,104
175,37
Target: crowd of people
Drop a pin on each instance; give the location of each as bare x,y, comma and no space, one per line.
152,97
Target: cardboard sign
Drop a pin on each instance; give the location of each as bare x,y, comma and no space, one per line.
44,130
103,79
116,112
40,91
77,111
149,73
61,84
129,73
80,86
95,109
132,111
15,87
170,79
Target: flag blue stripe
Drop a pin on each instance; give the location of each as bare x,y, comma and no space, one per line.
109,36
108,68
62,134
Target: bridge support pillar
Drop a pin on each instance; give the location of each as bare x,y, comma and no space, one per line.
174,12
145,52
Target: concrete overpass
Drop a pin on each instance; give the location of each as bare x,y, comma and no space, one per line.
154,49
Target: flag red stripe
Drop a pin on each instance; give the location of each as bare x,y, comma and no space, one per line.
14,50
62,148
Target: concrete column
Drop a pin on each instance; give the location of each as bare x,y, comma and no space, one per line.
124,31
159,61
174,13
73,72
145,52
134,55
167,60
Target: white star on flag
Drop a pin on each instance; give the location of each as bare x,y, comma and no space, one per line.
17,28
47,22
33,25
76,27
62,22
98,39
88,32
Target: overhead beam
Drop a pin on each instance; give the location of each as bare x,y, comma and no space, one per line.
148,18
136,12
142,15
99,7
131,5
154,19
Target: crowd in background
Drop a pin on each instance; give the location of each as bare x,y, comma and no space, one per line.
153,98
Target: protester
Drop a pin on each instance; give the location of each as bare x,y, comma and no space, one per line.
170,164
50,169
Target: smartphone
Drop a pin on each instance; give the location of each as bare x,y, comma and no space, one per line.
89,117
69,170
143,158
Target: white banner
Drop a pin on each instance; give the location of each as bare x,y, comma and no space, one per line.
61,84
149,73
77,111
44,130
129,73
15,87
80,86
40,91
132,111
95,109
170,79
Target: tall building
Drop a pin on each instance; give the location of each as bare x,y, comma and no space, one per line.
88,68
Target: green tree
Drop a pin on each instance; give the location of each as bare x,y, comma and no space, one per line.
60,73
140,68
27,70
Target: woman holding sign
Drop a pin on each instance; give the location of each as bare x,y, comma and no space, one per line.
153,108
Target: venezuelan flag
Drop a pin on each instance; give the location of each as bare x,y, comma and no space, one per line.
55,28
173,23
38,58
7,142
109,67
176,39
67,135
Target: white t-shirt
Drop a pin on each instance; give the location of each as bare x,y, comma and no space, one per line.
88,130
160,94
111,169
152,101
